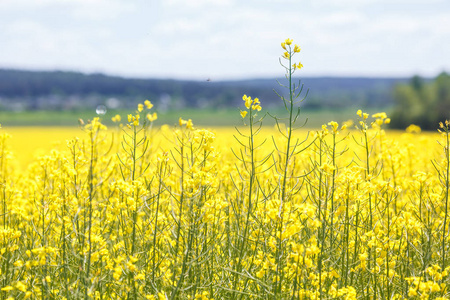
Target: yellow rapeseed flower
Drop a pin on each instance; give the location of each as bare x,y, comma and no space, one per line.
181,122
116,118
381,115
148,104
243,113
21,286
413,129
189,124
136,120
18,263
412,292
255,105
248,101
334,126
152,117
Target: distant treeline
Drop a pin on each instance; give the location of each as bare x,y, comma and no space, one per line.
422,102
33,90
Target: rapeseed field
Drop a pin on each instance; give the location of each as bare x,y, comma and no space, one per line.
139,211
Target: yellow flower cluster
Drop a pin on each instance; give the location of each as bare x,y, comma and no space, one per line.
132,221
133,120
380,119
289,52
413,129
250,105
116,118
188,123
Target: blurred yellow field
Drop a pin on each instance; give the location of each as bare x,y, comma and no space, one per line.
26,143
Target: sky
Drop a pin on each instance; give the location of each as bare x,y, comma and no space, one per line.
226,39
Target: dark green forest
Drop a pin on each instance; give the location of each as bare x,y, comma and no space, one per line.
56,90
421,101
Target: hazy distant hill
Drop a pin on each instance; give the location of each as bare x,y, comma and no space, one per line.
68,90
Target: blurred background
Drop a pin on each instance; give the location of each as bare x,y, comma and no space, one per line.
61,60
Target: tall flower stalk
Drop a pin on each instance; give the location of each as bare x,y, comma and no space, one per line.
245,209
292,146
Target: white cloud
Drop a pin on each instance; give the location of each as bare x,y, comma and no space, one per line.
89,9
180,27
344,17
362,3
197,3
101,9
34,45
222,38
